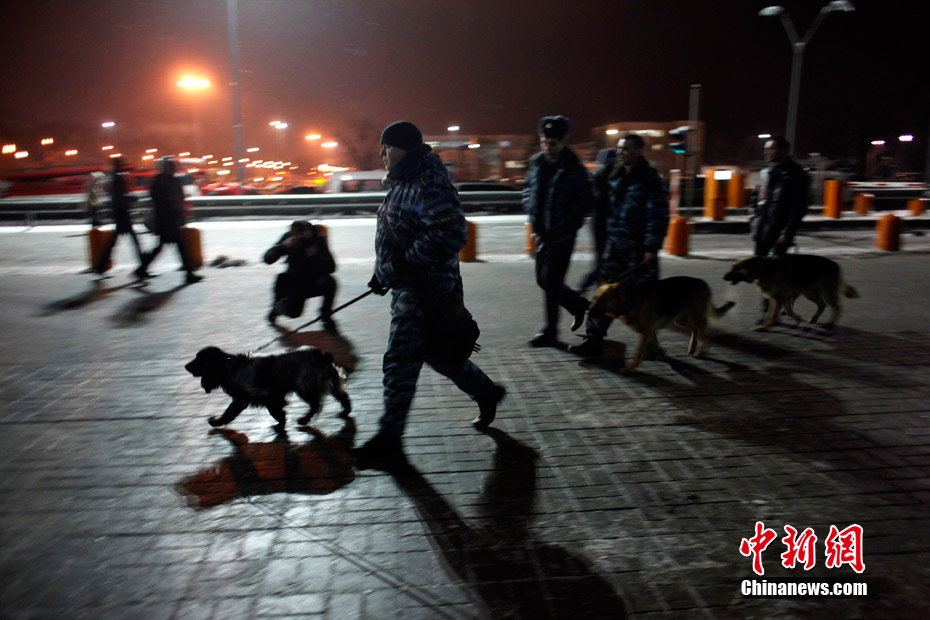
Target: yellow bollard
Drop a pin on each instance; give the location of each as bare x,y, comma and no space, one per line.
529,246
190,237
888,233
469,253
917,206
676,241
97,239
863,204
736,193
833,198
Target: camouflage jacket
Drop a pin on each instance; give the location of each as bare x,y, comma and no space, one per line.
421,227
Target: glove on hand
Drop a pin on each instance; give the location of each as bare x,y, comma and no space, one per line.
375,285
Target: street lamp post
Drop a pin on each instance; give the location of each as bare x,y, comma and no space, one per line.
797,47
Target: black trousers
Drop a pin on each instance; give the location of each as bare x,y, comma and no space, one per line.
163,240
101,265
291,291
552,261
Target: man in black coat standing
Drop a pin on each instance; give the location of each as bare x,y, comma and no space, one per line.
556,197
779,202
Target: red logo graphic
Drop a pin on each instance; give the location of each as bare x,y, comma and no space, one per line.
845,547
800,549
756,545
841,547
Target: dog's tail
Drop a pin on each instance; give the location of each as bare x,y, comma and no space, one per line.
715,313
849,292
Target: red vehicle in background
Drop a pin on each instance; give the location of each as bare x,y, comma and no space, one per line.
62,181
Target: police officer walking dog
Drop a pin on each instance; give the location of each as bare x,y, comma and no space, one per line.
420,230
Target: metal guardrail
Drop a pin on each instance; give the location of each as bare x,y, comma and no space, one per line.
35,210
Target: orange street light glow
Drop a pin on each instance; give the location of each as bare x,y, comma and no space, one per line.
329,145
191,82
313,136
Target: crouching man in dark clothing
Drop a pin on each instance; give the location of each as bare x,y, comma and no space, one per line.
309,273
420,230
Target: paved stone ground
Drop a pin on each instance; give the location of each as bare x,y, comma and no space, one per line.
596,495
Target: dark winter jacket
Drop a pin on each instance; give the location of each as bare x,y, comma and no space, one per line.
421,226
167,196
556,209
779,203
308,256
120,202
638,217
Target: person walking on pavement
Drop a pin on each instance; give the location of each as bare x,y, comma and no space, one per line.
167,195
119,205
420,230
779,202
94,194
310,266
636,227
556,197
606,158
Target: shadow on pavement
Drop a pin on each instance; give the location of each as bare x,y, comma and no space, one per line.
332,342
96,292
134,312
318,467
514,575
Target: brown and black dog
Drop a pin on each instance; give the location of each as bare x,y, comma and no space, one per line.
782,279
648,307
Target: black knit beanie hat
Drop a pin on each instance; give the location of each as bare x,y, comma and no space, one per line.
402,134
557,127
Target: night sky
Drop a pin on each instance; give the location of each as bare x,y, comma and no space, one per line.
331,66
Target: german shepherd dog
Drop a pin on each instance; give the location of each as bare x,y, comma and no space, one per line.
266,381
648,307
782,279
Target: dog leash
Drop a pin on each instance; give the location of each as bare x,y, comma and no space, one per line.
619,278
308,323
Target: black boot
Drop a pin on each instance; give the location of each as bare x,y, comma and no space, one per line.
591,348
487,407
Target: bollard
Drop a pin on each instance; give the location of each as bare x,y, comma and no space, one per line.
715,208
917,206
736,193
833,198
469,253
676,241
529,246
888,233
193,247
97,239
863,204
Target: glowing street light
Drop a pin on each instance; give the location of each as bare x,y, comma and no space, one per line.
47,141
107,124
313,136
329,145
906,138
193,83
453,128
